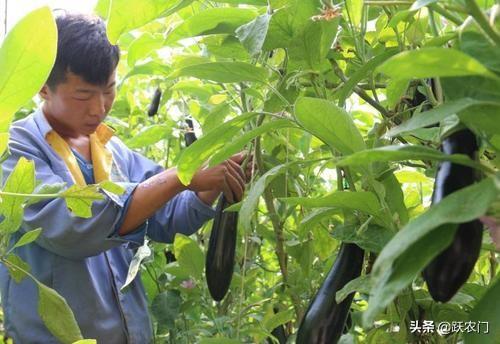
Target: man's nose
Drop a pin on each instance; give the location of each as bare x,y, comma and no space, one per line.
97,107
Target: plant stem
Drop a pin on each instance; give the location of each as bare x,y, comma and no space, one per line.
482,20
451,17
388,3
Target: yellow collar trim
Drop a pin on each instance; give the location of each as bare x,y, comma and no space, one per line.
102,158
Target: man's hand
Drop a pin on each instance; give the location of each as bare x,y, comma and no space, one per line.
227,177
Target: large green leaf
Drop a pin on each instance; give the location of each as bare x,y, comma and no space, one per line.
355,10
142,253
79,199
236,145
402,153
373,238
436,115
330,123
343,91
405,268
149,135
487,312
250,202
212,21
125,15
189,255
194,156
165,308
432,62
410,249
20,181
57,316
252,35
26,58
18,268
142,46
225,72
363,201
28,237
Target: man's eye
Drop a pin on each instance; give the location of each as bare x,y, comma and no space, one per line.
82,99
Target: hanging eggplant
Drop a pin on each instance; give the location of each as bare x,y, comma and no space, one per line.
155,103
446,273
279,334
189,135
325,319
221,250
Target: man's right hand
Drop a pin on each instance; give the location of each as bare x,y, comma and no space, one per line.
227,177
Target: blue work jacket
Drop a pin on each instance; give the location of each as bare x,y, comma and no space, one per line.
85,259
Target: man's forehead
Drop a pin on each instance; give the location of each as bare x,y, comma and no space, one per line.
75,81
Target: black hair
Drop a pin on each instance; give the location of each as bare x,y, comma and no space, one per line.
83,49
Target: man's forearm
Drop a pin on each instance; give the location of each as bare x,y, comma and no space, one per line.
149,196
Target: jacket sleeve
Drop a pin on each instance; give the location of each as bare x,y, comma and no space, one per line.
185,213
62,232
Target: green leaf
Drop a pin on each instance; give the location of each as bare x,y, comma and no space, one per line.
235,146
28,237
22,181
330,123
212,21
253,34
166,307
142,253
219,340
47,189
413,243
56,315
405,268
278,319
250,202
355,10
4,141
112,187
362,284
79,199
102,8
142,46
343,92
27,55
17,267
189,255
148,68
402,153
193,157
421,3
149,135
373,238
86,341
436,115
363,201
487,310
248,2
432,62
396,88
125,15
224,72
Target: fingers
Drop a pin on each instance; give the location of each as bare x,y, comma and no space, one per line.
238,157
235,181
237,169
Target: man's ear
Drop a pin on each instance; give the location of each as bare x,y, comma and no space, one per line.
45,92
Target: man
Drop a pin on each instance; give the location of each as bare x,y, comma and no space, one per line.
86,259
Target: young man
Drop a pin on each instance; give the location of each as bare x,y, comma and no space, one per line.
86,259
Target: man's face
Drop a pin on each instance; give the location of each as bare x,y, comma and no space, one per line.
76,107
